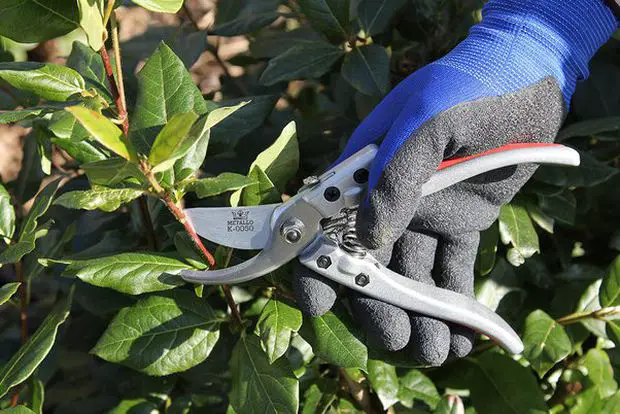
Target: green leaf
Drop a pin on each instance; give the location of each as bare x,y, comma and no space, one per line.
171,143
272,44
257,385
384,381
330,17
8,290
590,172
30,175
546,342
367,69
589,128
600,372
7,117
226,134
111,171
487,249
336,339
319,397
102,198
134,406
49,81
23,363
40,206
414,385
103,131
271,170
33,21
493,380
610,288
89,64
20,409
303,61
188,251
516,228
588,302
275,327
161,334
91,21
561,206
491,289
165,89
212,186
612,405
376,15
245,22
160,6
131,273
15,252
7,214
37,395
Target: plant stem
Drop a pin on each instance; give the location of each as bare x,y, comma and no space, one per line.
359,393
122,111
597,314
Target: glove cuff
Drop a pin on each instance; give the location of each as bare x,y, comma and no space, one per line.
521,42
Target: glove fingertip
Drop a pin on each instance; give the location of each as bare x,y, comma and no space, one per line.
371,230
461,341
315,294
430,340
387,326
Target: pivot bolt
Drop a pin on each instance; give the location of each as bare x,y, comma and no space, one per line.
361,176
362,280
331,194
323,262
292,230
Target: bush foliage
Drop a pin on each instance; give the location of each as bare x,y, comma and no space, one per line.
94,315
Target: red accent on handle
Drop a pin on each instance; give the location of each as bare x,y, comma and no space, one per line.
454,161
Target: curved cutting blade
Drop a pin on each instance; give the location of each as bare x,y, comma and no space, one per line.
238,227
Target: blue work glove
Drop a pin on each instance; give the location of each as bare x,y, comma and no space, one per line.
510,80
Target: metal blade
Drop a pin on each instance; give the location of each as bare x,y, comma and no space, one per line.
238,227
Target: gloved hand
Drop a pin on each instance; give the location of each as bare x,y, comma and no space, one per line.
509,81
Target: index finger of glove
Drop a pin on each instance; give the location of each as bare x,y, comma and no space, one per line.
396,183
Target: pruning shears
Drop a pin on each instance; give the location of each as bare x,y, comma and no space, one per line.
318,227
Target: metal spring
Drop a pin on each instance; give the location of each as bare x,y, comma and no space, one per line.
341,229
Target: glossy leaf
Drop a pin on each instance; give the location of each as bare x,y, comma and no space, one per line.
20,409
199,135
516,229
102,130
244,23
336,339
46,19
330,17
32,353
610,288
7,214
131,273
91,21
319,397
41,204
16,251
161,6
546,342
600,372
8,290
414,385
589,127
589,173
89,64
487,249
375,15
37,395
271,169
589,301
303,61
367,69
7,117
111,171
161,334
49,81
275,327
226,134
172,141
102,198
257,385
384,381
212,186
165,89
493,380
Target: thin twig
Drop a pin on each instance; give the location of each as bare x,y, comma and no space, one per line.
359,393
116,47
118,100
596,314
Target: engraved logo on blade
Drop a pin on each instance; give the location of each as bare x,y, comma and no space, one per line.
240,222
